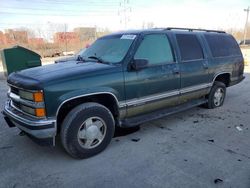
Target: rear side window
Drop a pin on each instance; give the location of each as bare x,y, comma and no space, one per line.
190,47
156,49
222,45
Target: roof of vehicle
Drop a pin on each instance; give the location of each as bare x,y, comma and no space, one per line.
154,30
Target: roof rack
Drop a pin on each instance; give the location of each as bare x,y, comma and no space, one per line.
191,30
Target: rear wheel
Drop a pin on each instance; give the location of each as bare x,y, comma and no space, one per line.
217,95
87,130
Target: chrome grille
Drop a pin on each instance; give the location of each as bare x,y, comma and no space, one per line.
14,90
16,104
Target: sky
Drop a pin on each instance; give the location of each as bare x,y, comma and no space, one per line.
68,14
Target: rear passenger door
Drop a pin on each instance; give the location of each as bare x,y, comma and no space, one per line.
193,66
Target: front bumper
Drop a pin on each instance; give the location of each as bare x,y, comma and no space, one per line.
37,128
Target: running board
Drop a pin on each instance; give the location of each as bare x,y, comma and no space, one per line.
135,121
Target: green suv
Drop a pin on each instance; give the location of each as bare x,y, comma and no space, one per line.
122,80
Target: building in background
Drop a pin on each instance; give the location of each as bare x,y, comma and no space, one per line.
86,33
76,40
13,37
62,37
36,41
16,36
1,38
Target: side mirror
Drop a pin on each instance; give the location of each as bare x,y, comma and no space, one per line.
138,64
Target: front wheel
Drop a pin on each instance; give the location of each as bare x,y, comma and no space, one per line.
217,95
87,130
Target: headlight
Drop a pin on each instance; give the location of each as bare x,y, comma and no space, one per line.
26,95
28,110
35,96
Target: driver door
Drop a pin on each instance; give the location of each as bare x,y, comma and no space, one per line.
157,85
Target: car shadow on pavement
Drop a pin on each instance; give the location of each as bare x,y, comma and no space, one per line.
125,131
58,152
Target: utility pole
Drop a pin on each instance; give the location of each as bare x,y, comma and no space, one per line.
245,30
123,11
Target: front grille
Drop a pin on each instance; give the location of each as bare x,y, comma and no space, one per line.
14,90
16,104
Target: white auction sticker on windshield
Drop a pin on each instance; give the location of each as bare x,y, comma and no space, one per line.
130,37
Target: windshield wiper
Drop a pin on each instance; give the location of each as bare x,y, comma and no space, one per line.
97,58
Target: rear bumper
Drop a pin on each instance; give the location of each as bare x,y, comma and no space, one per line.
37,128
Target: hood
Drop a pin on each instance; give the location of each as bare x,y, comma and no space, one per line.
36,78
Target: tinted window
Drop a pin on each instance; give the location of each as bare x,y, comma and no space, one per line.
189,46
156,49
222,45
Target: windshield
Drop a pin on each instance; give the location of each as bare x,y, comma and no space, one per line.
80,52
111,49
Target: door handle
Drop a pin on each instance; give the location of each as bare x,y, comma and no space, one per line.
176,71
205,65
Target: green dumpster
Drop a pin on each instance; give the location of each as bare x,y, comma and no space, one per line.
18,58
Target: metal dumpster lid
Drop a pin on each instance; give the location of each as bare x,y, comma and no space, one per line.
23,48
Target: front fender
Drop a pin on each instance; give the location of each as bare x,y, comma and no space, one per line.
59,101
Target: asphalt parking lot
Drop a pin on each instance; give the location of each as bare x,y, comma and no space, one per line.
195,148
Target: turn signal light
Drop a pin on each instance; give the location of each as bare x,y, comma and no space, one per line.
40,112
38,97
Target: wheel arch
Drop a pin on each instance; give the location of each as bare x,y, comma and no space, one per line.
106,99
223,77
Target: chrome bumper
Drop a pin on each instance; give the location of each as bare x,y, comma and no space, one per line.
38,128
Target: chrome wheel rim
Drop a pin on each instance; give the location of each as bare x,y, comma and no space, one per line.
218,96
92,132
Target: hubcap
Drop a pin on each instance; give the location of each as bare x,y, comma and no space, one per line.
92,132
218,96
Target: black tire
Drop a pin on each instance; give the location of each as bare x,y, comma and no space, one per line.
212,103
75,119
